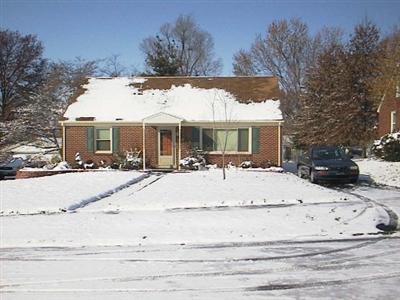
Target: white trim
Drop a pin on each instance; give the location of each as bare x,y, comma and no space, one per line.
184,123
393,121
173,145
162,118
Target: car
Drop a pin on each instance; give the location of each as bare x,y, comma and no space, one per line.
327,164
10,167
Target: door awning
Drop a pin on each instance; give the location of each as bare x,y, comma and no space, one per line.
162,118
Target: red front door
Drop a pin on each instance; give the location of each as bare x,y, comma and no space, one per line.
165,158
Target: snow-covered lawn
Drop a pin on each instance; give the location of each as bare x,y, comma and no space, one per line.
382,172
53,193
195,236
196,207
207,189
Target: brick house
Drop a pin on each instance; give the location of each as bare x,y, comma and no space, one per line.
389,112
166,117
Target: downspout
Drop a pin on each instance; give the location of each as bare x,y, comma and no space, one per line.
63,142
144,146
179,145
279,146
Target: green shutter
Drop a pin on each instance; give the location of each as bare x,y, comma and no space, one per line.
115,139
90,139
243,139
255,140
195,138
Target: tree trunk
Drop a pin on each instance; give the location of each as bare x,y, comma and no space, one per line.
223,167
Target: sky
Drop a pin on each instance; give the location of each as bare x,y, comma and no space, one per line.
95,29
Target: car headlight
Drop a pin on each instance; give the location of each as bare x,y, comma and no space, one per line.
321,168
353,168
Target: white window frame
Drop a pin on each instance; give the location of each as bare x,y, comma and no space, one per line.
393,121
228,152
398,91
95,141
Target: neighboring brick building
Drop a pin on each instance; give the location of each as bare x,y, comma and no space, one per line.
389,112
166,117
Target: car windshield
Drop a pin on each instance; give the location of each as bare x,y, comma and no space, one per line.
328,153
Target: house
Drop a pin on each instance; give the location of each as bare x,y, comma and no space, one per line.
389,112
167,117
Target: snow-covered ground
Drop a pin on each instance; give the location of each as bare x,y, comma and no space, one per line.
54,193
207,189
256,235
196,207
381,172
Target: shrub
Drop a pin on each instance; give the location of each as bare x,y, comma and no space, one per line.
388,147
194,161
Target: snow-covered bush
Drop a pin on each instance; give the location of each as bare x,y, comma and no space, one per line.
388,147
63,165
80,164
246,164
130,160
194,161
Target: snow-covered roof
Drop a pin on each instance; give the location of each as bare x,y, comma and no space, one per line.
110,99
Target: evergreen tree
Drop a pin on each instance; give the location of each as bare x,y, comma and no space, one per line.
339,106
363,57
163,59
326,88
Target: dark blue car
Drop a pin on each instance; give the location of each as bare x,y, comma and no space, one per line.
327,164
10,168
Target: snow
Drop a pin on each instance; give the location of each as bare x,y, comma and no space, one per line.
116,98
192,235
207,189
381,172
57,192
191,207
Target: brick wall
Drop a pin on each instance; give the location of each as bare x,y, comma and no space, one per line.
391,103
131,137
268,149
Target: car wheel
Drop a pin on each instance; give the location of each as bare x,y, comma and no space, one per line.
353,180
299,173
312,177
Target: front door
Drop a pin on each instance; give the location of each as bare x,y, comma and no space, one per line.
166,148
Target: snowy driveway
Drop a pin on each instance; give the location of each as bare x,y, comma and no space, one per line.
143,243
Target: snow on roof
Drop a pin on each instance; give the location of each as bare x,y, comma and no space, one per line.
116,98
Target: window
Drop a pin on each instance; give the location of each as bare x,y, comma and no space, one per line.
230,140
398,91
103,140
393,121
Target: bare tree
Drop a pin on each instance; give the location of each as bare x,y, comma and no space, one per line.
21,70
286,51
38,118
182,48
112,66
243,65
222,108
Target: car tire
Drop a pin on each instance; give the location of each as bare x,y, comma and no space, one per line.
352,181
312,177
